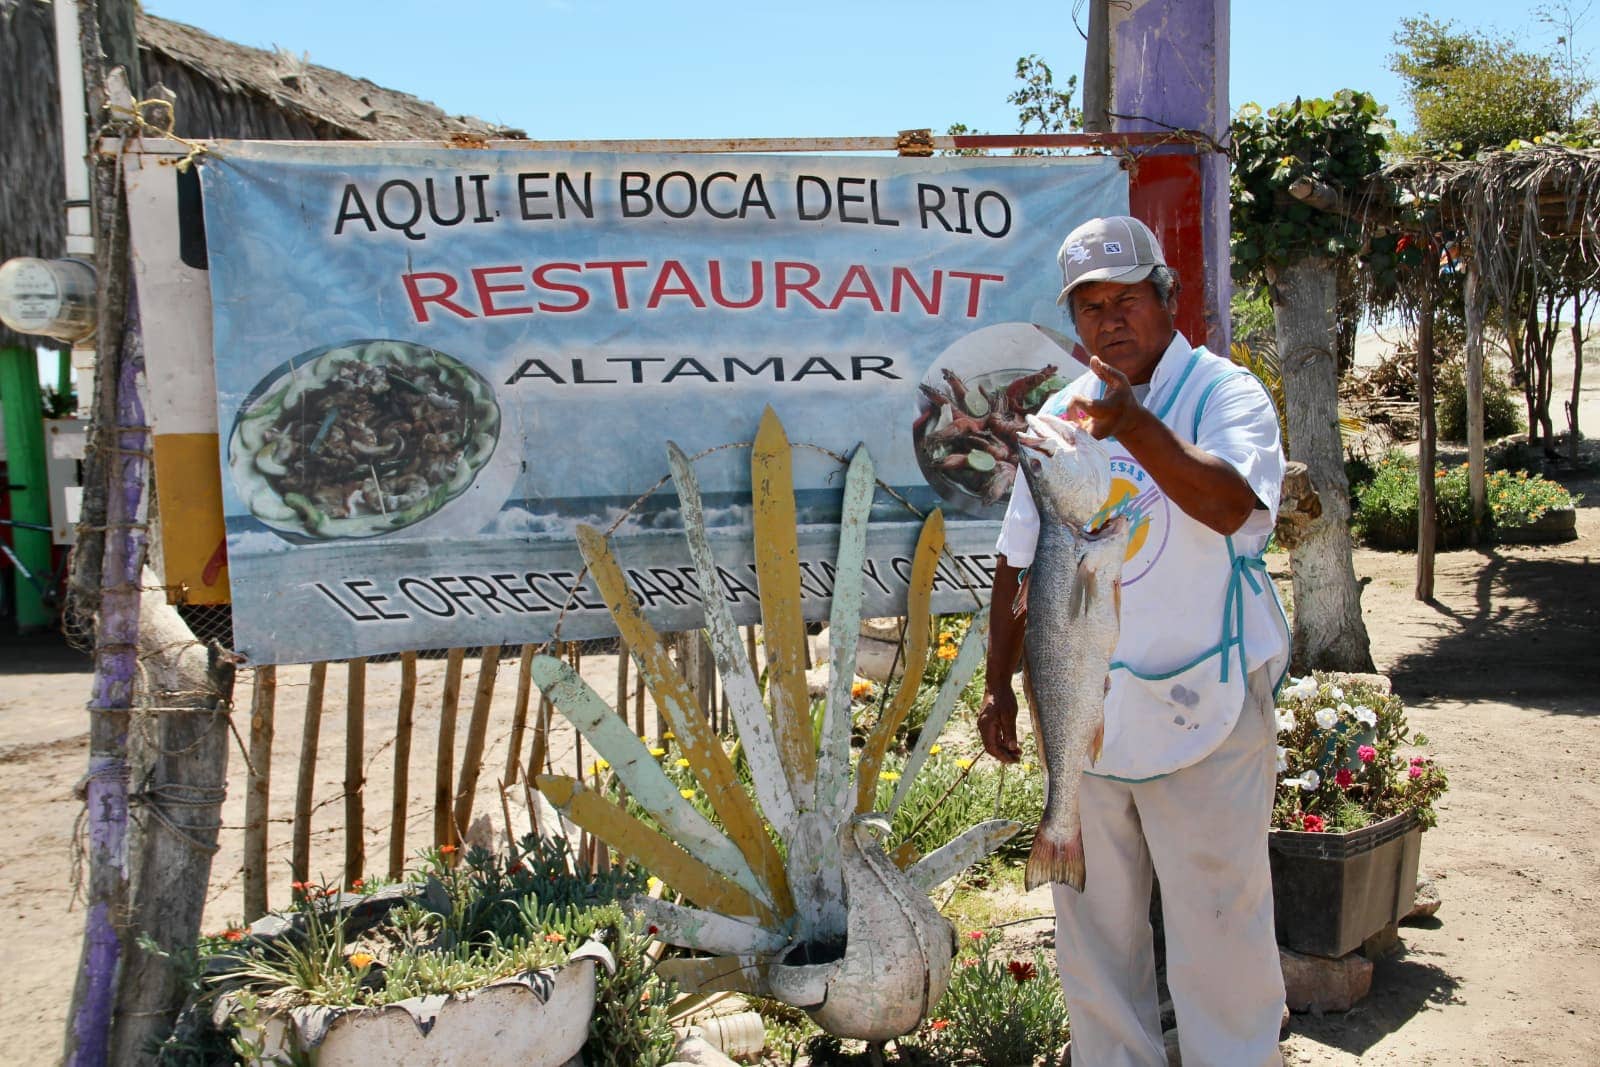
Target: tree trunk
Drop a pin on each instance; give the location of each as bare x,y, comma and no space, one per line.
178,813
1579,299
1477,475
1329,633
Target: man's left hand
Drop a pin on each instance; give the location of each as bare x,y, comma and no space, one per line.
1114,414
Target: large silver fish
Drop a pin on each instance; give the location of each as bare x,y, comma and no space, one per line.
1072,596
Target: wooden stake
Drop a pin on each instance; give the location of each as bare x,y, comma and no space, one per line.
622,681
519,719
300,855
539,757
1427,514
402,764
638,700
255,797
443,825
477,730
355,729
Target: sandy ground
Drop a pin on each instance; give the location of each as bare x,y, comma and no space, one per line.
1499,671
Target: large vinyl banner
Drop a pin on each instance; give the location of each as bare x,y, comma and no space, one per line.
433,364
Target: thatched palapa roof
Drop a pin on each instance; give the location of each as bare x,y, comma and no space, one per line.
1517,209
223,89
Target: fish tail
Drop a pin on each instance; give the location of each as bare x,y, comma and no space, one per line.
1055,860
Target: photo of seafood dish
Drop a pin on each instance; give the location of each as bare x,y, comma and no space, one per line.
970,408
361,439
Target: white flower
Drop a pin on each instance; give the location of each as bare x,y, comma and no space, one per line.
1302,688
1336,693
1309,781
1327,718
1285,720
1366,716
1283,759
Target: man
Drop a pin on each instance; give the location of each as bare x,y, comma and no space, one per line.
1185,781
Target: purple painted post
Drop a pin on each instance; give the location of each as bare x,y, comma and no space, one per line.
116,664
1169,61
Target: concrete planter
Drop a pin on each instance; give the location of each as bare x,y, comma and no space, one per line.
536,1019
1557,524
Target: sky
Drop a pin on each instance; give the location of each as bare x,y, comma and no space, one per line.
568,69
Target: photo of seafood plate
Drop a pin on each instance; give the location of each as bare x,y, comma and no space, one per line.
361,439
970,407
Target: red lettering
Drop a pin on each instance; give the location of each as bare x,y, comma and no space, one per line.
541,278
616,267
784,286
669,270
418,298
756,287
977,282
903,279
857,275
480,278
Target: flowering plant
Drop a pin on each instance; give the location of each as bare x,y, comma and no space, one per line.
1346,758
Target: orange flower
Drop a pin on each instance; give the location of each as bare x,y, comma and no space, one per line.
358,960
946,652
445,850
355,886
858,690
555,938
233,933
939,1024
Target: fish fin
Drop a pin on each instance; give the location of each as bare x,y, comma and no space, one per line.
1116,599
1053,860
1098,741
1083,591
1019,603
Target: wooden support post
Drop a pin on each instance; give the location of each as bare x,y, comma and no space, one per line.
539,757
622,681
638,701
171,855
355,849
519,719
1427,513
1477,472
259,782
402,764
305,787
477,730
445,755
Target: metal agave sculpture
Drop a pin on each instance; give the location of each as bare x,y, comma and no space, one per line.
832,924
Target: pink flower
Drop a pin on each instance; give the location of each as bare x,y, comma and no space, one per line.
1417,761
1314,824
1344,779
1367,753
976,935
1414,772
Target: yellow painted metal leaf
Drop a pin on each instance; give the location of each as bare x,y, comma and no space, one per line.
652,850
700,744
783,625
930,544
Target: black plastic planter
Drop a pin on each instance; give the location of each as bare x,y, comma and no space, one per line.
1330,892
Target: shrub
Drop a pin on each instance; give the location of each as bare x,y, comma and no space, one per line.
1385,508
1500,415
998,1011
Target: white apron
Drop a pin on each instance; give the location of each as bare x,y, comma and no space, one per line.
1199,613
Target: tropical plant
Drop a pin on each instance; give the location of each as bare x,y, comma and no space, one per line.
1500,417
1346,758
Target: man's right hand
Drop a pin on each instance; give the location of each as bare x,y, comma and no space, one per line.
997,722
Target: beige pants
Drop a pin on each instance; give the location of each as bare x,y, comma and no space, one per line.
1204,830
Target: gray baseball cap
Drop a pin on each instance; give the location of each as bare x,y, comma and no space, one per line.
1117,248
